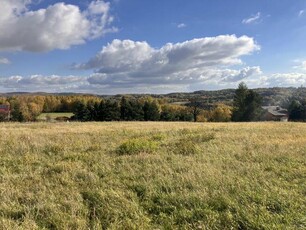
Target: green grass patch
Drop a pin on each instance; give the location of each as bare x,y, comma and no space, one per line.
137,146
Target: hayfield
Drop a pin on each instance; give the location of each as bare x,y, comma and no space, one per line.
46,116
146,175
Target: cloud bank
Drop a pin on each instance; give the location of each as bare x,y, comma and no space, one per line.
133,63
126,66
53,83
135,66
59,26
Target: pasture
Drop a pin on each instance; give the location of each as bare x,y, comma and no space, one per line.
152,175
52,116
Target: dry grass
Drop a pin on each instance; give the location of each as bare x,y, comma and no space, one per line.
146,175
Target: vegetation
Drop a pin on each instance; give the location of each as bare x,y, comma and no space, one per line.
297,110
247,104
145,109
53,116
152,175
215,106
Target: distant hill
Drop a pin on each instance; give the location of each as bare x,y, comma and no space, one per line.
271,96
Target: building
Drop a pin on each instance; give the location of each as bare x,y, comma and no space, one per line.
275,113
5,112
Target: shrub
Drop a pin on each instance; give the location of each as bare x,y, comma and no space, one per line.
186,147
189,143
136,146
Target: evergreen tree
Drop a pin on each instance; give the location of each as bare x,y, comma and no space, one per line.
136,112
253,110
247,104
151,111
81,112
239,102
111,111
297,111
126,110
16,113
101,114
93,109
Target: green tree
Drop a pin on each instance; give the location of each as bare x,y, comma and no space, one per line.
239,102
151,111
81,112
109,111
253,110
247,104
297,111
126,110
16,113
136,112
93,109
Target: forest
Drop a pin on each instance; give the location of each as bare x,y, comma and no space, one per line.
216,106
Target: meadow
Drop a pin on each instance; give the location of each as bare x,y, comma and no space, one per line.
152,175
52,116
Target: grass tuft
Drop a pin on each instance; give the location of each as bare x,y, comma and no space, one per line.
137,146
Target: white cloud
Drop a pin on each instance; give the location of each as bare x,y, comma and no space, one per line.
4,61
281,80
132,64
98,83
301,65
53,83
253,19
181,25
59,26
301,12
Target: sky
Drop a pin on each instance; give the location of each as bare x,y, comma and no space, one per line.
142,46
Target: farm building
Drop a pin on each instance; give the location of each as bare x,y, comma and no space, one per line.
275,113
5,112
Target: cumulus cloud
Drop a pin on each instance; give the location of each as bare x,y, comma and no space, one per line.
239,75
253,19
59,26
4,61
280,80
131,64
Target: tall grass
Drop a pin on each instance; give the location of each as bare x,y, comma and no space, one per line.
143,175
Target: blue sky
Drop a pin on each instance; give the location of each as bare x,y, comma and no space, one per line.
137,46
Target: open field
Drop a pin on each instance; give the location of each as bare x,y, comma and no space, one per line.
146,175
44,116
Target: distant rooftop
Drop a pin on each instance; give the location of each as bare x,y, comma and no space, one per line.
276,110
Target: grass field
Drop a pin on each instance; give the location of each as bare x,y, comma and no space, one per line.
45,116
146,175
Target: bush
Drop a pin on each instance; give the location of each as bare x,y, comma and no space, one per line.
188,144
137,146
186,147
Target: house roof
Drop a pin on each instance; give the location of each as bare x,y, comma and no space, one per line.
276,110
4,108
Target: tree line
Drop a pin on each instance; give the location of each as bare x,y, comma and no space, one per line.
246,106
145,109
